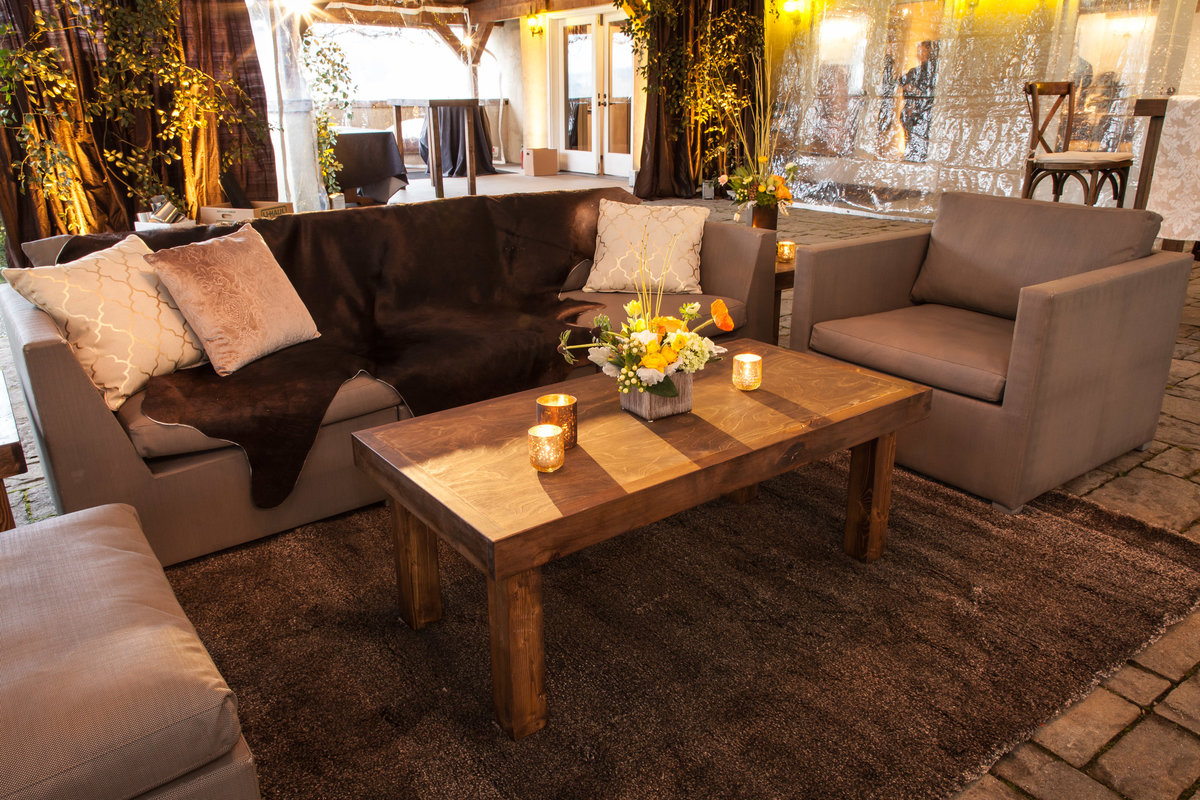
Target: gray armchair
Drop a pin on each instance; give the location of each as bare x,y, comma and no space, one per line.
1046,331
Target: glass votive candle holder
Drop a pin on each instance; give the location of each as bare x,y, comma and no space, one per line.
747,372
546,447
559,409
785,251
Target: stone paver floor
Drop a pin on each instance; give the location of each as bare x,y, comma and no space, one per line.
1135,737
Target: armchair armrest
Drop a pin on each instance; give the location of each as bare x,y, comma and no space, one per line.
849,279
739,261
77,434
1090,358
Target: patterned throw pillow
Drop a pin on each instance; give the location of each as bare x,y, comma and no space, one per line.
666,238
120,321
236,297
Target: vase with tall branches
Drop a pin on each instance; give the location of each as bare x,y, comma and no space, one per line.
752,183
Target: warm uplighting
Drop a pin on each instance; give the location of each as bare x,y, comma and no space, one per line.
793,6
747,372
537,25
785,252
559,409
546,450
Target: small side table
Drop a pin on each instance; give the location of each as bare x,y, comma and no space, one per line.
12,456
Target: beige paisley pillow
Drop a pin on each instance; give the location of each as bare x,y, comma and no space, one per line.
668,236
120,321
236,297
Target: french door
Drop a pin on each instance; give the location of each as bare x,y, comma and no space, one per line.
593,109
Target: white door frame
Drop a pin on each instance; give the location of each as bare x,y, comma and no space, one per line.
597,160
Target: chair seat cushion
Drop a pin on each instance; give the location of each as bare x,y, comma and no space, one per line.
360,395
1083,157
983,250
613,303
954,349
105,689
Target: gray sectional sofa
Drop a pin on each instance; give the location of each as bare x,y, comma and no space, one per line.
193,491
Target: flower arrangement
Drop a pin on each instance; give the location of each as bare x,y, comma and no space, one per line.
759,186
755,183
649,348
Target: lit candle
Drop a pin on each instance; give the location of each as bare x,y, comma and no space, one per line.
559,409
747,372
785,251
546,447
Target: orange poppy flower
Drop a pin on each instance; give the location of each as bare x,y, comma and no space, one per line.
720,315
665,325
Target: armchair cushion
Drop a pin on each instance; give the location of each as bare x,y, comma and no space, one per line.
949,348
983,249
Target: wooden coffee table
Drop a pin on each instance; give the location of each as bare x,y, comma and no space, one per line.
464,475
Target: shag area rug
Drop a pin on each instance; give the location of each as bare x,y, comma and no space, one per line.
729,651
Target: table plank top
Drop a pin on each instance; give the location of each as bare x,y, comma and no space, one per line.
465,471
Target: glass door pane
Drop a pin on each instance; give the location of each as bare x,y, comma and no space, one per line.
620,89
579,60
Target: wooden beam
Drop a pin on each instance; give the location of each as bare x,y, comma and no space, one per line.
479,39
388,16
499,10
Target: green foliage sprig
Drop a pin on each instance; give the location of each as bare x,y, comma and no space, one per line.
330,86
38,96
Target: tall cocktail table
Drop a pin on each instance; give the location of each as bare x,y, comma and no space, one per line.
464,475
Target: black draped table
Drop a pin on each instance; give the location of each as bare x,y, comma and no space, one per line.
371,163
449,145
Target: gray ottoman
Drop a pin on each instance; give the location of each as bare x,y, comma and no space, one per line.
105,690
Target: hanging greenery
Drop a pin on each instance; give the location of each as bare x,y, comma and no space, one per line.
38,95
330,86
149,109
693,58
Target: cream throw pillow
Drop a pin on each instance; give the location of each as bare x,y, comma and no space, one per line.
236,297
118,318
669,236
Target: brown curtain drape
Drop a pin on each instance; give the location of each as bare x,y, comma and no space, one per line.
665,169
217,38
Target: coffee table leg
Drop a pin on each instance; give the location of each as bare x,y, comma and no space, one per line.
518,658
416,568
870,497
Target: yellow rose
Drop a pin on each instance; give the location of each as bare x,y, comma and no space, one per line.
669,354
655,361
679,341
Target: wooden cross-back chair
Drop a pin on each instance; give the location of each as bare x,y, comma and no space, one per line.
1091,169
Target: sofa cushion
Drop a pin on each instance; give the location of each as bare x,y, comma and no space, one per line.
120,321
949,348
984,249
236,297
360,395
612,304
105,690
666,239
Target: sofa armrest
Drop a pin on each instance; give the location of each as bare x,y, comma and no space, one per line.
739,261
77,434
1090,357
849,279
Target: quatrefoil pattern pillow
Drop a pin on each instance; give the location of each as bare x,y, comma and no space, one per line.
665,238
120,321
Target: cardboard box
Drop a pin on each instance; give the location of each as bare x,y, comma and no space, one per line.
151,225
539,161
211,215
